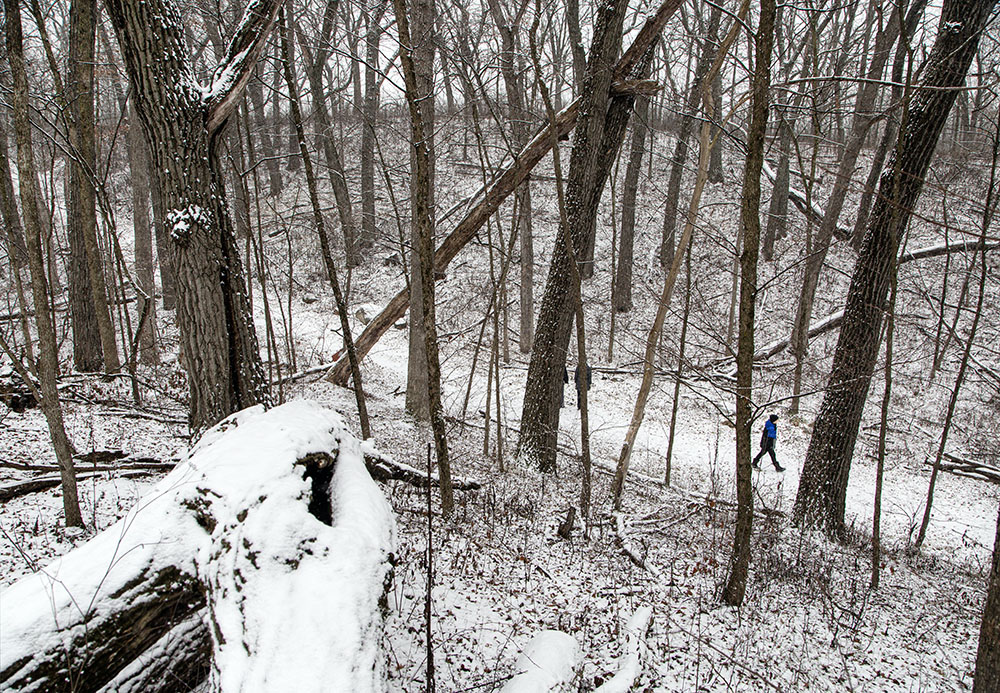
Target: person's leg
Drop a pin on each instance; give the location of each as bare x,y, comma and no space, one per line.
770,451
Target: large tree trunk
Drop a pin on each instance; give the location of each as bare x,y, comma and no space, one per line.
540,413
739,562
268,505
183,123
823,485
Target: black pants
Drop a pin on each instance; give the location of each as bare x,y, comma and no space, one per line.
768,447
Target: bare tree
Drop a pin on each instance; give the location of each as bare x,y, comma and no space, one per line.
750,226
183,121
823,484
48,357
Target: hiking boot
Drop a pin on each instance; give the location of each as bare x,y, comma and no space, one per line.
778,468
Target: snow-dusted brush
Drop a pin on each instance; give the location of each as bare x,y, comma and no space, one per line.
261,562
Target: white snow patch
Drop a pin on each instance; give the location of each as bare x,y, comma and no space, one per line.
547,663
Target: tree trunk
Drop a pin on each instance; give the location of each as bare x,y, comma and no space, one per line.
679,160
264,504
592,138
369,118
256,90
48,356
777,212
82,216
143,234
987,677
417,372
419,85
183,124
622,299
576,46
823,484
750,222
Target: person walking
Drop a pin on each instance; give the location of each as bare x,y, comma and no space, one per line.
768,437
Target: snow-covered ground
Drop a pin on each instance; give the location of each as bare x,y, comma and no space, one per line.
502,575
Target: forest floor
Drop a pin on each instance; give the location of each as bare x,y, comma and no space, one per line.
810,620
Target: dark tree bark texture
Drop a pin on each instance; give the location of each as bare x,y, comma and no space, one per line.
823,485
183,121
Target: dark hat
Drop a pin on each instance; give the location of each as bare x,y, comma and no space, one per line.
774,417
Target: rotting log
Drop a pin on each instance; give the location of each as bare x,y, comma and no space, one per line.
268,506
490,197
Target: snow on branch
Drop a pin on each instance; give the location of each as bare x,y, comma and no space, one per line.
630,666
548,663
232,74
270,531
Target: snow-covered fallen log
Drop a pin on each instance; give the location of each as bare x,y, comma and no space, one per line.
548,663
265,555
630,664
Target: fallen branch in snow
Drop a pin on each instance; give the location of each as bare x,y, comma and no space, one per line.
547,663
630,666
961,466
125,465
705,500
17,489
384,468
799,199
239,559
625,544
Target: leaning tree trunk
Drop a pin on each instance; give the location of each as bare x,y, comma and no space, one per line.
275,504
540,413
823,486
183,121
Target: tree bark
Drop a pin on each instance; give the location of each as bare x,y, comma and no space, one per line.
421,123
417,372
82,216
739,563
592,138
987,677
622,299
143,234
823,485
183,121
374,14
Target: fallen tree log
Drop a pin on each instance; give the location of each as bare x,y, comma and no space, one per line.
234,566
972,469
17,489
490,197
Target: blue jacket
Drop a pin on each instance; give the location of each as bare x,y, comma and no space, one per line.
770,429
